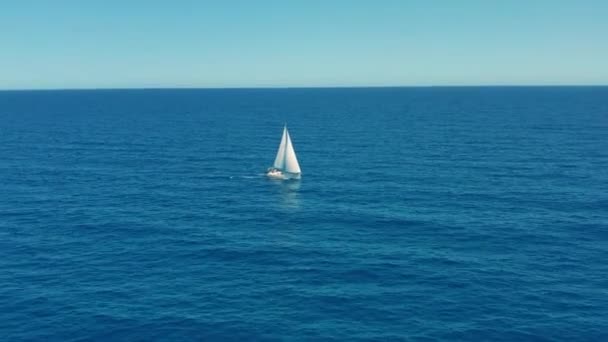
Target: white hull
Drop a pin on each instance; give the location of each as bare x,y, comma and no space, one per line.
277,174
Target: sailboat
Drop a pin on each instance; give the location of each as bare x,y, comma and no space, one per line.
286,164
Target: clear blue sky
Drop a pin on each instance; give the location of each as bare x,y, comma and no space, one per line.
116,44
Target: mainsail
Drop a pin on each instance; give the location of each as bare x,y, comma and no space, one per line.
291,162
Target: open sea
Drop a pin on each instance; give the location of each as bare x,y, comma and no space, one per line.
423,214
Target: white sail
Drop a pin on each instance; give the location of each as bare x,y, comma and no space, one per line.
279,161
286,164
290,160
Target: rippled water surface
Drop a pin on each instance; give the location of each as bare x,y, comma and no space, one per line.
423,214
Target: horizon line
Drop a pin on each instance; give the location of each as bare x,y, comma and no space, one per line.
309,87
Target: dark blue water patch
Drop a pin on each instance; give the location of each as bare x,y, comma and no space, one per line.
423,214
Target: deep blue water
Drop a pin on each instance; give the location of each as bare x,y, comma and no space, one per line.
456,214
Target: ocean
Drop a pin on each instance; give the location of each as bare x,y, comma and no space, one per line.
423,214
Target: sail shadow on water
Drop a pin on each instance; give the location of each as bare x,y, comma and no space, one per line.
287,192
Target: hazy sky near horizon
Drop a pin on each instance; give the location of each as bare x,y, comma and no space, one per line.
116,44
